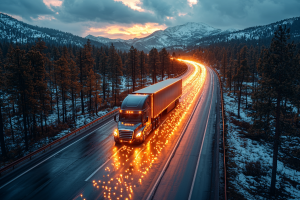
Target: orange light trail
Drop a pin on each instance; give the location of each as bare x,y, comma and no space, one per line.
130,165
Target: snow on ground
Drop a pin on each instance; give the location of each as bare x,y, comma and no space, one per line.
244,150
19,143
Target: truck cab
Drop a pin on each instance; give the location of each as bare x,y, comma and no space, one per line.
141,111
134,122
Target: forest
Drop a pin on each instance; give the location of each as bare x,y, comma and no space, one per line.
46,89
263,83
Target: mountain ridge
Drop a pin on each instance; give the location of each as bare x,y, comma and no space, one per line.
187,36
176,37
15,31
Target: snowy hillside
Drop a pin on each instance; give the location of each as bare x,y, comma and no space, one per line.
183,37
118,43
176,37
256,33
15,31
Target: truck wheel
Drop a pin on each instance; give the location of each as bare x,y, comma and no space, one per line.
176,102
144,138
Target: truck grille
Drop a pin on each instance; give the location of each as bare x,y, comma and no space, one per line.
125,135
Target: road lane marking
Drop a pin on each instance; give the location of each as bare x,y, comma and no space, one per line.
51,156
151,193
103,164
113,156
198,161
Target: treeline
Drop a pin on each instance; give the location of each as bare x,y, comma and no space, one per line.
15,31
271,77
40,82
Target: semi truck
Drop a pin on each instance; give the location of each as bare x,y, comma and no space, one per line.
141,111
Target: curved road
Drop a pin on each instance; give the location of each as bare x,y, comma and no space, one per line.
175,162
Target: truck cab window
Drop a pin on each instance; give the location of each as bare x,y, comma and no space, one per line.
130,117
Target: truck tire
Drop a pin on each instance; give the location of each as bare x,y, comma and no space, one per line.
176,102
117,142
144,138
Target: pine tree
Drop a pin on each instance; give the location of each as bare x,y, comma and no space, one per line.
143,67
79,61
97,72
74,85
55,55
280,78
164,61
63,80
40,94
104,72
229,73
2,93
91,87
224,63
173,60
242,74
115,65
132,63
20,84
154,63
275,85
88,64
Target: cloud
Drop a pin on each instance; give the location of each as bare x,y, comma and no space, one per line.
243,14
25,8
192,2
223,14
52,3
80,16
101,11
133,4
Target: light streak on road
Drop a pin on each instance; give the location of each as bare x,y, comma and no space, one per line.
131,165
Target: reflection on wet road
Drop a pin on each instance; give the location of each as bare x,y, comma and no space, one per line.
131,169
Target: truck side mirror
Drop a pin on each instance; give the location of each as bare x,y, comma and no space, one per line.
115,118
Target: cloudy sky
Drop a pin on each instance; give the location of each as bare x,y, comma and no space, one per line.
128,19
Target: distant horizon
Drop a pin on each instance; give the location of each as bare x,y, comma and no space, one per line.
129,19
145,35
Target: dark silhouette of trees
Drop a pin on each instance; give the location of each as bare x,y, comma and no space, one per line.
164,63
277,73
133,66
45,88
143,67
2,93
115,65
154,63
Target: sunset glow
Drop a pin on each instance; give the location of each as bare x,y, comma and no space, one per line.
192,2
50,3
126,32
182,14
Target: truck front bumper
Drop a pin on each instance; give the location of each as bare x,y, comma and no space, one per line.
130,141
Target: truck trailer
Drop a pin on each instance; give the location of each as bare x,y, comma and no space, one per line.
141,111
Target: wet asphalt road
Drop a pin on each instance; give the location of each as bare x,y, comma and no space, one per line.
91,166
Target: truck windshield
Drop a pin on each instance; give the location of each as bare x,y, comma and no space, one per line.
130,117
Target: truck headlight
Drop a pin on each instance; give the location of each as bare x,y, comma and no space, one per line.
116,133
139,134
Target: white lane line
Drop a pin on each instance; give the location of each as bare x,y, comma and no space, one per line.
103,164
150,195
113,156
51,156
194,178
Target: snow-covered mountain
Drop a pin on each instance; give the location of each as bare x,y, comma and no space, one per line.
177,37
186,36
15,31
256,34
